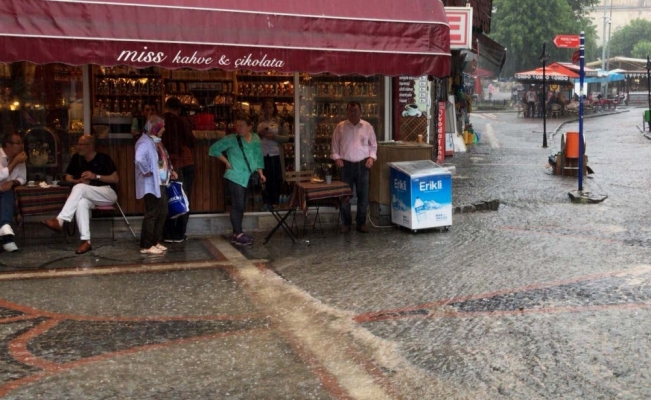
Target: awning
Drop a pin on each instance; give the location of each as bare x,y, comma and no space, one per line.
587,72
605,76
492,55
552,75
410,37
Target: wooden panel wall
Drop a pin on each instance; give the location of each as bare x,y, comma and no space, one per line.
208,190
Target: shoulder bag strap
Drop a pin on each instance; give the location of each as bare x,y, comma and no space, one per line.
239,141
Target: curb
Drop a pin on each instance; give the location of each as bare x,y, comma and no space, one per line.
489,205
558,128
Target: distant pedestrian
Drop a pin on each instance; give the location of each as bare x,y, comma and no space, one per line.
530,96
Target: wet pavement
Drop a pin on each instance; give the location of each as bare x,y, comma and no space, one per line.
539,299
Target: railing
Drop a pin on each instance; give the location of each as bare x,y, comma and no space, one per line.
491,104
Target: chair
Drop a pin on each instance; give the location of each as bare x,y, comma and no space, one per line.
555,110
111,209
291,177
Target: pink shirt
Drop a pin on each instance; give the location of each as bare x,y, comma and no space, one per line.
354,143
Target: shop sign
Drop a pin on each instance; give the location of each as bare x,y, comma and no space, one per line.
539,77
194,59
460,21
440,134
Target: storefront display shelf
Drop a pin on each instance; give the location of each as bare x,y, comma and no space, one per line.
258,98
270,78
126,95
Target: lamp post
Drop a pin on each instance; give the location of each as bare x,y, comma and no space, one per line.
648,85
543,58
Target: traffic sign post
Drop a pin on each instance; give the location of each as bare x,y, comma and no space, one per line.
567,41
581,75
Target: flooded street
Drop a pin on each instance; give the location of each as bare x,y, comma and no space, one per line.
541,299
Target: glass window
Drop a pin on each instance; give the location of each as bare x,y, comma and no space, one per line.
323,101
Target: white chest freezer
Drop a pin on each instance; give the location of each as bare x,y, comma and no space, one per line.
421,195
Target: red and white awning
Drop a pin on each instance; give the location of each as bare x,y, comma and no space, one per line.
387,37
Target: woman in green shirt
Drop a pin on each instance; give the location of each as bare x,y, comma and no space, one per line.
241,162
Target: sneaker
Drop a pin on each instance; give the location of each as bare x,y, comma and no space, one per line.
180,240
10,247
151,250
241,240
168,240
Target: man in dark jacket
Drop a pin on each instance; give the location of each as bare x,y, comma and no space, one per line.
179,142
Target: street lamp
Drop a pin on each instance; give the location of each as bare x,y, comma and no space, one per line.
544,57
648,85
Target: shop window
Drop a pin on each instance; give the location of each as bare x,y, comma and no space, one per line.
44,104
323,101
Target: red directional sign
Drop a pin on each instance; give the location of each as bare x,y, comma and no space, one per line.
567,41
576,56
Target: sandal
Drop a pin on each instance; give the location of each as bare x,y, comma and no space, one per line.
151,250
161,247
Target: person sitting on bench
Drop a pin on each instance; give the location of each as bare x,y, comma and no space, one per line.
95,177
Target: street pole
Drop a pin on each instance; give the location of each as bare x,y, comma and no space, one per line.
610,24
603,47
581,74
544,57
648,85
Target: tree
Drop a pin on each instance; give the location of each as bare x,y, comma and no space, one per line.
581,8
522,26
641,49
625,38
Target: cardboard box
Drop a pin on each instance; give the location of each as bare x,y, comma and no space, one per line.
380,189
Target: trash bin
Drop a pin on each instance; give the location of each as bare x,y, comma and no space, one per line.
572,144
646,115
421,195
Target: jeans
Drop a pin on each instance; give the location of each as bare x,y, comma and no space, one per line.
238,202
154,220
356,173
7,213
274,175
176,228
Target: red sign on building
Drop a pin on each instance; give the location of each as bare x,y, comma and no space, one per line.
440,134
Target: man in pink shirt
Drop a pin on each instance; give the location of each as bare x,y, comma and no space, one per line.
354,149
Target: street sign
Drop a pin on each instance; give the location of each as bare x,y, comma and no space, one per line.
567,41
576,57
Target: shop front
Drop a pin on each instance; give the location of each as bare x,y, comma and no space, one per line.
87,67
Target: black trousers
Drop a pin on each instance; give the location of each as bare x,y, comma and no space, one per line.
274,174
356,174
154,220
238,203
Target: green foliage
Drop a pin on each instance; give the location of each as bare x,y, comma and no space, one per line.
641,49
523,25
624,39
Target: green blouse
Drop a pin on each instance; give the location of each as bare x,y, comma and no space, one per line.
239,173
